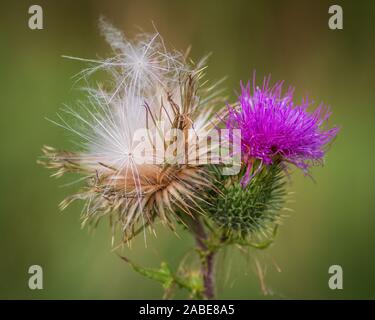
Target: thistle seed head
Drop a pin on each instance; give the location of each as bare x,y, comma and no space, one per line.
153,89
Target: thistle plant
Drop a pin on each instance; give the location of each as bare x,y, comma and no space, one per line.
142,137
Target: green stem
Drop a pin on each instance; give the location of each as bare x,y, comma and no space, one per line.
207,256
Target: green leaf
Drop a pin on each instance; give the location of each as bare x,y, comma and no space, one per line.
163,274
167,278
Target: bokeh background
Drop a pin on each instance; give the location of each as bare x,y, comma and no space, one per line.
333,218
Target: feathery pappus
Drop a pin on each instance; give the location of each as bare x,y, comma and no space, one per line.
155,94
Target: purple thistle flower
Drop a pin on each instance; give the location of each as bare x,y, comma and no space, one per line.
273,128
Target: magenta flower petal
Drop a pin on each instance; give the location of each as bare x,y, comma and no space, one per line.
273,127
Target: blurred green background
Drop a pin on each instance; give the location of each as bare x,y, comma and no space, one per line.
333,219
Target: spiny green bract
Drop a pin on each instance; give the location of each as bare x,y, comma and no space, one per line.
253,209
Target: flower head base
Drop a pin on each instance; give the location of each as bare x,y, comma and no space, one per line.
274,129
252,211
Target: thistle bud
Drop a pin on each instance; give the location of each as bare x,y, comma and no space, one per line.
254,209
